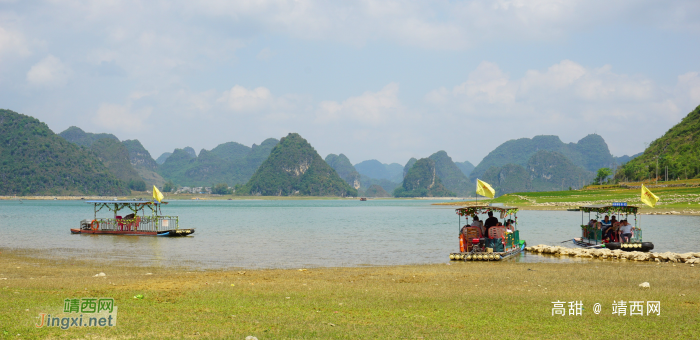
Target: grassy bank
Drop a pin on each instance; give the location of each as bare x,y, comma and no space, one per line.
681,197
461,300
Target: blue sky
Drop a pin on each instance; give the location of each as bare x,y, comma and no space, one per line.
385,80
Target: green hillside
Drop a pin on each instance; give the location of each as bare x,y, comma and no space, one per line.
341,164
35,161
450,175
115,157
79,137
422,181
295,168
231,163
387,185
678,149
408,166
376,191
143,163
591,153
466,167
545,171
375,169
161,159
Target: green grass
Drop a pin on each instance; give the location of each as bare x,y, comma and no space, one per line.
678,198
462,300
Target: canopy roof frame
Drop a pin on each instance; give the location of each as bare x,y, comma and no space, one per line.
134,206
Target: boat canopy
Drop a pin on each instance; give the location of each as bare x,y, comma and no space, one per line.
610,209
122,202
483,209
133,206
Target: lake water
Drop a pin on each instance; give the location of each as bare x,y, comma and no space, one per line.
294,234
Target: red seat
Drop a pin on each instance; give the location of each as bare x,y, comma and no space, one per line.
497,232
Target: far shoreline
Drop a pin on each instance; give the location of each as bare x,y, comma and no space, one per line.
453,201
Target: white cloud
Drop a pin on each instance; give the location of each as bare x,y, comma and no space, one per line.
241,99
12,42
370,108
447,24
487,84
569,100
566,81
50,72
122,117
265,54
688,88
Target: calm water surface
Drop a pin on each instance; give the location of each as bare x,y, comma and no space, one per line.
293,234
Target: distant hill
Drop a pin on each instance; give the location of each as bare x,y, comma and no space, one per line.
295,168
408,166
35,161
376,191
450,175
190,151
422,181
678,149
79,137
591,153
143,163
115,157
375,169
161,159
466,167
387,185
341,164
545,171
625,159
231,163
113,154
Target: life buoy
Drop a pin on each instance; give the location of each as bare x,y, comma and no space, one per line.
94,225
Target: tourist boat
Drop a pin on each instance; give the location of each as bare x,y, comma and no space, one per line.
592,237
363,198
154,224
501,243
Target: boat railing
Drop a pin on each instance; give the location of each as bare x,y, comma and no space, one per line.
591,234
512,240
636,235
138,223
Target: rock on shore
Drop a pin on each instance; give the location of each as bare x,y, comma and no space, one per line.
690,258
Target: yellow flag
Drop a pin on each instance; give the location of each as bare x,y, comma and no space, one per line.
157,195
648,197
484,189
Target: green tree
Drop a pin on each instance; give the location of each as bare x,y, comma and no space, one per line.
137,185
602,174
168,186
220,189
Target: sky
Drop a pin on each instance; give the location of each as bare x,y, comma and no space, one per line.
385,80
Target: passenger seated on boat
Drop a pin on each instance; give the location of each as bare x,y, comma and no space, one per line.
509,226
612,234
478,224
490,222
594,223
625,231
605,223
